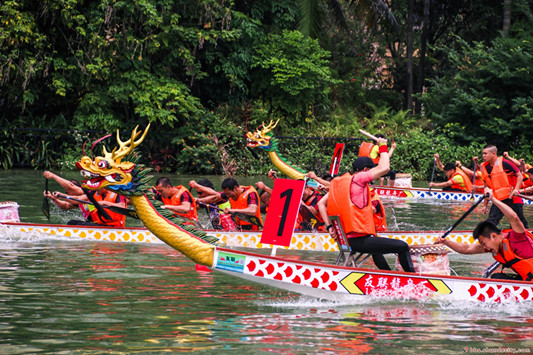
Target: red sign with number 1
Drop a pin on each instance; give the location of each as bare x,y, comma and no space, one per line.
282,212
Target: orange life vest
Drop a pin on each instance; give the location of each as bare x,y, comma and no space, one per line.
468,184
498,180
365,149
117,219
478,181
353,218
508,258
242,203
318,222
175,201
380,220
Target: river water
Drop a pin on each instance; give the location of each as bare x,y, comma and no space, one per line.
69,297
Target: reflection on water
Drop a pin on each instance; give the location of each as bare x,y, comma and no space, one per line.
64,296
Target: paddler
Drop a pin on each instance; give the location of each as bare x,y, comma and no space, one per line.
177,199
474,176
349,198
243,199
309,218
457,179
104,198
527,173
513,249
505,179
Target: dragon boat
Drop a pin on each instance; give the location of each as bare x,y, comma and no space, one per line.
314,279
263,138
310,241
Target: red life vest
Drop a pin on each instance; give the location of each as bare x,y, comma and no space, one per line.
498,180
353,218
467,183
365,149
508,258
380,219
242,202
175,201
117,219
309,202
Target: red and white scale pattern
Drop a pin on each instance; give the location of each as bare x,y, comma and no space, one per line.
486,292
307,275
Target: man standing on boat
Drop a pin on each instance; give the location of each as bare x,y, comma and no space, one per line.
457,179
505,180
513,249
349,198
176,199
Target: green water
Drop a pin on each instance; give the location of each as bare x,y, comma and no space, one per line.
69,297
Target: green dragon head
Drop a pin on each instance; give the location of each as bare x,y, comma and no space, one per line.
110,171
262,138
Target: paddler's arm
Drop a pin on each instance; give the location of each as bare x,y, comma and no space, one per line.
441,184
511,159
437,160
209,191
516,224
519,181
185,207
460,247
383,166
322,206
64,205
467,171
313,176
262,186
250,210
69,187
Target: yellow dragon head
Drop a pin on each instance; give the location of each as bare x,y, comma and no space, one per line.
261,137
109,171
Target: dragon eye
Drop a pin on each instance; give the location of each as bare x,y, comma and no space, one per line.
257,136
102,164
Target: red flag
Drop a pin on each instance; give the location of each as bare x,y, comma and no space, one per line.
336,160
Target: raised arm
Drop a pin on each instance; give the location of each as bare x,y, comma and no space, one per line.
383,166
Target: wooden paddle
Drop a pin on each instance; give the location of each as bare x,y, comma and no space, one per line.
525,197
46,204
474,180
368,135
473,207
244,217
99,207
124,211
432,174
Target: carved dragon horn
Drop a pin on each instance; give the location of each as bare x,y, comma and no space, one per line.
268,128
126,147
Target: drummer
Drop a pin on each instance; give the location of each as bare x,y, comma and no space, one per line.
514,249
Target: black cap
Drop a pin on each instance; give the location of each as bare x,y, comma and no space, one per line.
362,162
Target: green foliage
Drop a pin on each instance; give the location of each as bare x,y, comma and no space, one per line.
292,72
485,99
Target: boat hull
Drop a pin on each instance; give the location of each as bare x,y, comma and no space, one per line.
343,283
248,239
406,192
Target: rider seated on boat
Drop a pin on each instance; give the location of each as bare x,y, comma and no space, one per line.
104,198
527,173
457,179
243,199
513,249
476,177
309,218
176,199
325,180
371,150
349,198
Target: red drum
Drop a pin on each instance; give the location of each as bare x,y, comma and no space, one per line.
227,222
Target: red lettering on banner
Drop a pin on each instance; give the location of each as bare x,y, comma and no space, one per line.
282,212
